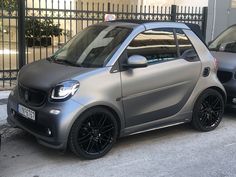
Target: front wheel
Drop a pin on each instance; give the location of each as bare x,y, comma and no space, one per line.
93,133
208,110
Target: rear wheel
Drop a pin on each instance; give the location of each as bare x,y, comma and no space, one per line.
93,134
208,110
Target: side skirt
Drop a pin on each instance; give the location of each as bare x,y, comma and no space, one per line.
157,124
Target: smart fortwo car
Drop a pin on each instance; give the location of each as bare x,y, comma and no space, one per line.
115,79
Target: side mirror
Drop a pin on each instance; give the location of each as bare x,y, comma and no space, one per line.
136,61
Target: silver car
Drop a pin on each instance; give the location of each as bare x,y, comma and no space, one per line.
115,79
223,48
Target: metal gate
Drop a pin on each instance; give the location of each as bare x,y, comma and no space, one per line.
31,30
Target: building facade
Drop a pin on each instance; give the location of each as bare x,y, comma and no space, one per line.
221,15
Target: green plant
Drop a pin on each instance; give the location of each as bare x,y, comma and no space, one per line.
36,28
8,5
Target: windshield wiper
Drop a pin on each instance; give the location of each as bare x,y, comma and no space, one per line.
64,61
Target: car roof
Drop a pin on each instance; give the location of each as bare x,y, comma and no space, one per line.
133,23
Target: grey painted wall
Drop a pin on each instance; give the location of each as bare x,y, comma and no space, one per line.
221,15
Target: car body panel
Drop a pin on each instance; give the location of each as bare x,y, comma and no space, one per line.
129,94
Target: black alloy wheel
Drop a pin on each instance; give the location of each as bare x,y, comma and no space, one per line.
208,110
93,134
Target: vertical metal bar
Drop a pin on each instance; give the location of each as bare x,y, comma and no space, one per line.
204,22
53,22
65,22
132,11
3,48
40,42
87,14
149,12
122,8
145,12
92,12
98,12
16,45
21,32
158,13
82,16
173,13
188,14
27,48
34,39
9,45
103,11
108,7
127,11
47,26
117,11
76,14
70,20
113,8
153,12
58,20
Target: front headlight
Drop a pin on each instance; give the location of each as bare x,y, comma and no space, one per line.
64,90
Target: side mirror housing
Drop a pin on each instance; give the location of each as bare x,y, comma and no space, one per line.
136,61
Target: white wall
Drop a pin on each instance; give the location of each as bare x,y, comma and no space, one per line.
195,3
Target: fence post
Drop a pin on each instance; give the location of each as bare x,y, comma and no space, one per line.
204,21
173,12
21,33
108,7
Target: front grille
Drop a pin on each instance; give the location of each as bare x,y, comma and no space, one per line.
31,96
224,76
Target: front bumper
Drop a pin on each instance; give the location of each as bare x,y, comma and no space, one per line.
49,129
230,88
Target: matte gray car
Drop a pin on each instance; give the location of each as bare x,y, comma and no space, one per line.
223,48
115,79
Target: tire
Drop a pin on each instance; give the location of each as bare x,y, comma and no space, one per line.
93,134
208,111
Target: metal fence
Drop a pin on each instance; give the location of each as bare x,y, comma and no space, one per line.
34,29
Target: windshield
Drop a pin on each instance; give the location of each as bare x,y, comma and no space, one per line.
92,47
226,42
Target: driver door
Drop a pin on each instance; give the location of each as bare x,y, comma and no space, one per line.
161,89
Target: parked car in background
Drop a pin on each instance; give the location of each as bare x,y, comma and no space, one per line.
115,79
223,48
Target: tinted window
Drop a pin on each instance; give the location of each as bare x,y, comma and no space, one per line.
93,47
156,45
186,49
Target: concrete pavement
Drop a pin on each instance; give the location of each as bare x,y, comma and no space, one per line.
172,152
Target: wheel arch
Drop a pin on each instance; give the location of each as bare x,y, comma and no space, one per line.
109,108
218,89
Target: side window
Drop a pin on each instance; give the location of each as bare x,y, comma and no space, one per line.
156,45
186,49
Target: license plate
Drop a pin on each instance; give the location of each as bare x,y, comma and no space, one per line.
26,112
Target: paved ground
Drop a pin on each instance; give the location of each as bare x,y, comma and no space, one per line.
172,152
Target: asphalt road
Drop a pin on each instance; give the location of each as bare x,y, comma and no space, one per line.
172,152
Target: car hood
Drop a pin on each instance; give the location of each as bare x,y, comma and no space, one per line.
226,60
44,74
